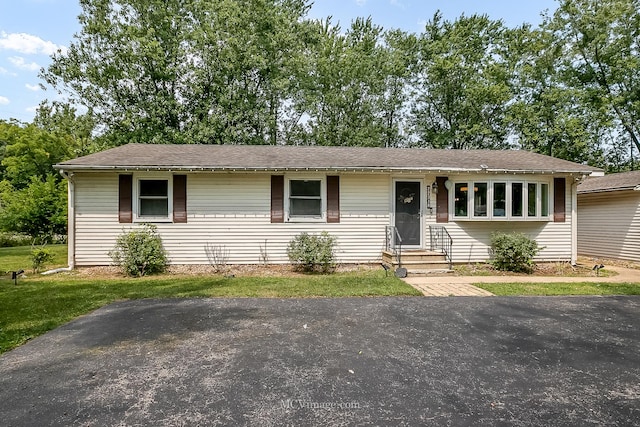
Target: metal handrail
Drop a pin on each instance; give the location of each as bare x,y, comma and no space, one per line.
393,240
441,240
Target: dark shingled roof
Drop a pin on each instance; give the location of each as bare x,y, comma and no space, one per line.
613,182
262,157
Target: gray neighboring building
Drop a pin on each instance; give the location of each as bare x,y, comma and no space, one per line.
609,216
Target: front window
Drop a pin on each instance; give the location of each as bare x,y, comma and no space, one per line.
517,192
153,198
461,199
480,199
506,200
544,199
499,199
532,199
305,198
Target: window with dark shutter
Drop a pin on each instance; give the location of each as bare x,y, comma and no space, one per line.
559,188
125,187
442,200
277,198
179,198
333,199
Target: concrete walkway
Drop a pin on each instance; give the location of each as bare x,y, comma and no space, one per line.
450,285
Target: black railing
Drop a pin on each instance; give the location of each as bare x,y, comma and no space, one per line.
393,242
441,241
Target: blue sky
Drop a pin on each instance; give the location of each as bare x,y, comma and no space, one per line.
31,30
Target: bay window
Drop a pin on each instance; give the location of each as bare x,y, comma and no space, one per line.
501,200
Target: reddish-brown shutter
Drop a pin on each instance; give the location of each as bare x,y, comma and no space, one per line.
333,199
179,198
277,198
125,202
442,200
559,188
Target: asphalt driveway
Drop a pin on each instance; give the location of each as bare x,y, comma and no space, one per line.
365,361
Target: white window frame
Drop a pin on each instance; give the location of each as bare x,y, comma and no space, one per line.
471,184
136,198
323,199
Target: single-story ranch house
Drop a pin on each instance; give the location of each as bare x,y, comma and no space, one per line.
609,216
252,200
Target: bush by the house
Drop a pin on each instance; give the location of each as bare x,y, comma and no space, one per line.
513,251
140,252
313,252
39,257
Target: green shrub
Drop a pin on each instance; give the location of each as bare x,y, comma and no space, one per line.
40,256
513,251
38,210
313,252
11,240
140,252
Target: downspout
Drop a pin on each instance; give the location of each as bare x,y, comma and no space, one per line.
71,224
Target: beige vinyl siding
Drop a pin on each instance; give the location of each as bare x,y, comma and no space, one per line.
232,210
609,225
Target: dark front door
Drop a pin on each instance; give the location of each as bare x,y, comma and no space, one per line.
407,212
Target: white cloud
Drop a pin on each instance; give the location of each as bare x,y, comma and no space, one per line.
361,2
19,62
34,88
4,100
31,109
27,44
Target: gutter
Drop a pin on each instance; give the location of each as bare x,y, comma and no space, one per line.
371,169
610,190
71,222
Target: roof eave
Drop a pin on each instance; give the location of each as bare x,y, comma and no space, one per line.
129,168
610,190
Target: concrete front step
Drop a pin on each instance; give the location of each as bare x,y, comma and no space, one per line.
417,261
413,255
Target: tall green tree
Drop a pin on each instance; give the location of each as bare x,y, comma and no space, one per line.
546,115
345,99
462,84
397,68
38,210
601,59
30,152
33,197
63,120
125,65
176,71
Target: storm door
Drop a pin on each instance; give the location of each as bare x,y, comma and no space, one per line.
407,212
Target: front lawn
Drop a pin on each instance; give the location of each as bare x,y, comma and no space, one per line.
37,305
19,258
554,289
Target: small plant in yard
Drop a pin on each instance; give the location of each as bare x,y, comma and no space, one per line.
140,252
39,257
513,251
218,256
313,252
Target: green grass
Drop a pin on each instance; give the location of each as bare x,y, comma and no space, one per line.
554,289
19,258
37,305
